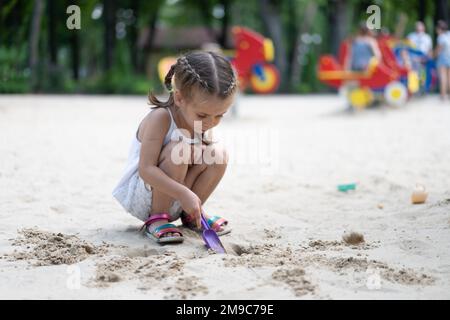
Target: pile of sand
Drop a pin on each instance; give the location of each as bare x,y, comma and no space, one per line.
353,238
340,265
43,248
163,271
290,264
295,279
335,245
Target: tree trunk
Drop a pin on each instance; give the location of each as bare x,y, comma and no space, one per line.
308,20
132,36
337,18
51,28
441,10
75,49
272,22
225,23
422,10
292,33
35,28
151,37
205,11
109,16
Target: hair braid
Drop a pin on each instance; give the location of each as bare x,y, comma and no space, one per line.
184,62
168,78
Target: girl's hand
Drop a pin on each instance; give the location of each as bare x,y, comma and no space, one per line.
192,205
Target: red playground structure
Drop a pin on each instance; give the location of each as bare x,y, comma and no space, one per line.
251,60
386,79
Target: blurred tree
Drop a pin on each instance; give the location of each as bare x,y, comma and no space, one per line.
115,46
35,29
270,15
422,10
338,17
51,31
153,8
133,35
299,45
109,19
225,22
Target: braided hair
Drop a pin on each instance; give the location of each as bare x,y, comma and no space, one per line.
204,70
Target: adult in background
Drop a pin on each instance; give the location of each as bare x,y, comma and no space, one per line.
421,40
442,55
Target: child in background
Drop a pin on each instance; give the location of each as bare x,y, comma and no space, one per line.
363,47
168,174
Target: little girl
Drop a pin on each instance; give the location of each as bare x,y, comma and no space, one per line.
167,175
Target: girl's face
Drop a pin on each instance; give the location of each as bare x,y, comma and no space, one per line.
203,107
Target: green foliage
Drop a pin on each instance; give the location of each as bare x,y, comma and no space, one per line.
131,73
116,82
13,78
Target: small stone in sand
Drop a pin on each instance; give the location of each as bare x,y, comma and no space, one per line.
380,206
353,238
419,195
108,277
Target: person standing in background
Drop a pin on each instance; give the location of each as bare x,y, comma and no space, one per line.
421,40
442,55
363,47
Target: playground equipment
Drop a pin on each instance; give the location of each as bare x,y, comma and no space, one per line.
251,60
391,79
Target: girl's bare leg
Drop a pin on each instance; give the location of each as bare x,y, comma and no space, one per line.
443,82
202,179
161,202
448,78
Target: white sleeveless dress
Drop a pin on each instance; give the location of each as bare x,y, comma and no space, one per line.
132,192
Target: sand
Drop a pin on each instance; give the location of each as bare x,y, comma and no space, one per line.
295,236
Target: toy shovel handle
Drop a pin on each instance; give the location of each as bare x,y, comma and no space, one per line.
205,224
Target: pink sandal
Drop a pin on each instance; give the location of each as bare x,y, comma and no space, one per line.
158,232
214,222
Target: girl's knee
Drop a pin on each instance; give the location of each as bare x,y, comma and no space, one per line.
172,162
177,153
216,155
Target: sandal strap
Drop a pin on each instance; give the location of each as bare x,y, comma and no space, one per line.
166,228
216,222
155,217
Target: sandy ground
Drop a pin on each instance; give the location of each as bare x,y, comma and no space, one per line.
62,235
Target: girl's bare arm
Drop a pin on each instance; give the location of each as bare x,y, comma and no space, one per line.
152,132
438,50
376,49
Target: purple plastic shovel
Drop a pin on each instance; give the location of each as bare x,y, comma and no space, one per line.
211,238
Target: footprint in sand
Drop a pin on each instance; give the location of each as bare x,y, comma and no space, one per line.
59,208
28,199
415,246
138,252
